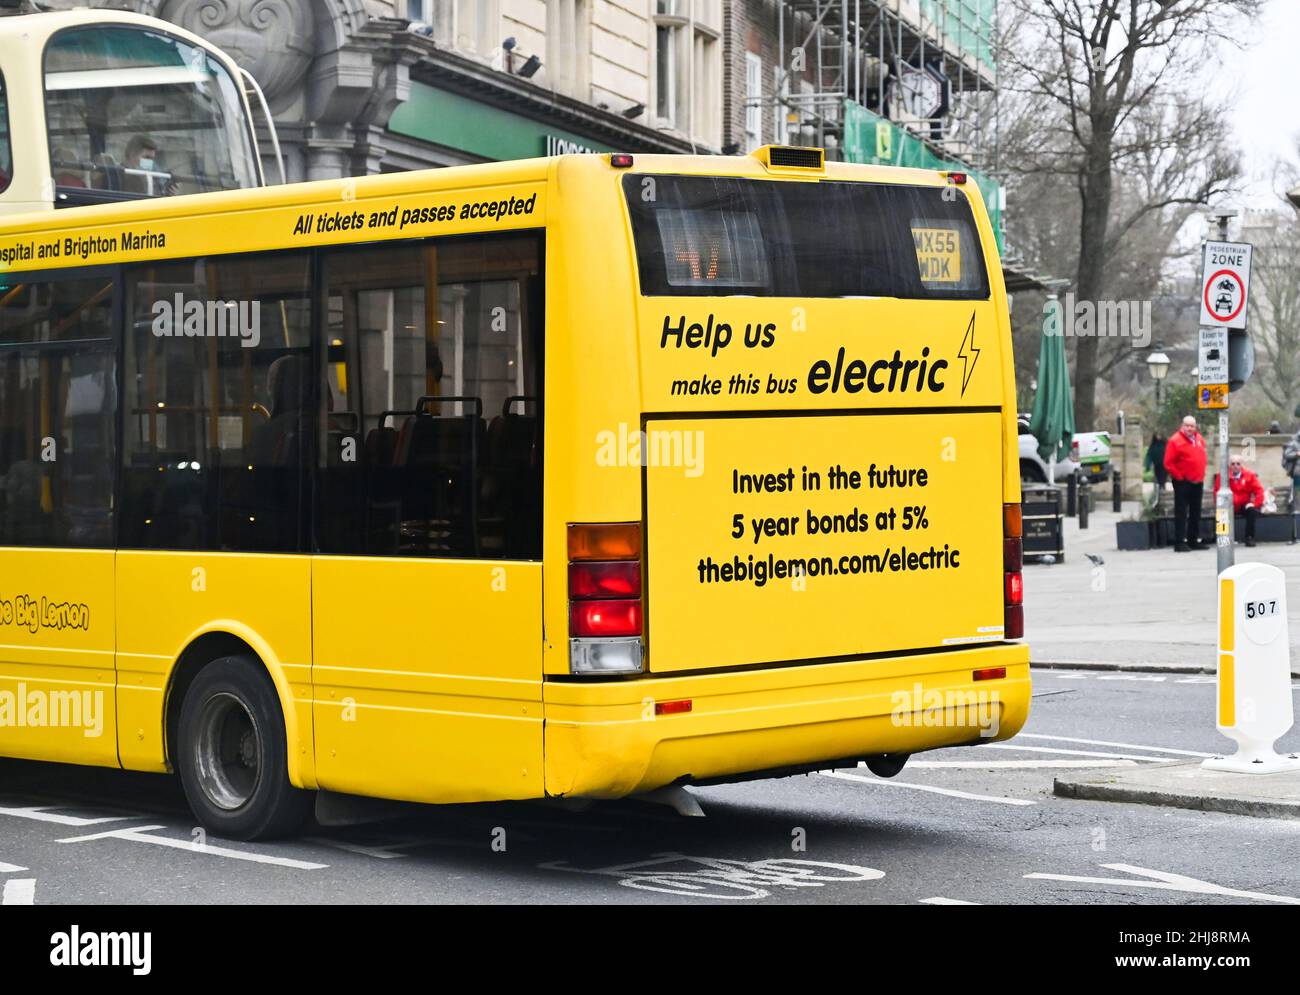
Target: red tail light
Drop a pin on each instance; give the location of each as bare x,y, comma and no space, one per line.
989,674
1013,622
1015,589
1013,581
605,613
609,579
1013,555
605,618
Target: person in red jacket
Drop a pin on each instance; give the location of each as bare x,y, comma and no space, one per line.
1185,461
1247,495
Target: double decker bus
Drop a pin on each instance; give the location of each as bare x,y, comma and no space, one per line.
570,477
99,106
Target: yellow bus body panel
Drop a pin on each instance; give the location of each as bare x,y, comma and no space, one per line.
605,740
428,678
56,656
166,600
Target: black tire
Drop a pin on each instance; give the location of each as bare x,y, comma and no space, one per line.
1031,472
232,757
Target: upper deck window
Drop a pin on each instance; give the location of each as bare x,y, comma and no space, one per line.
723,236
137,113
6,152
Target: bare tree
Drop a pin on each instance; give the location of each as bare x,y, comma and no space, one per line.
1275,310
1118,89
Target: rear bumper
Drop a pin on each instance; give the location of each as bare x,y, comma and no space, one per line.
604,739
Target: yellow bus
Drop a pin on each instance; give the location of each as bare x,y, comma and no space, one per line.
569,477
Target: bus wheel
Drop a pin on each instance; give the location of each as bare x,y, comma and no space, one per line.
887,764
232,754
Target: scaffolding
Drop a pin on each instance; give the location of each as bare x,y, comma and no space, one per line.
870,52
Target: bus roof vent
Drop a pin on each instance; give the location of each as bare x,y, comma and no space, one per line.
791,157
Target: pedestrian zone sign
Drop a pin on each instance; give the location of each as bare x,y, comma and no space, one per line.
1225,284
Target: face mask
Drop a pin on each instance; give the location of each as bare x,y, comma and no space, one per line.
146,164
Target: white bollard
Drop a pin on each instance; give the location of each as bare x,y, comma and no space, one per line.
1254,682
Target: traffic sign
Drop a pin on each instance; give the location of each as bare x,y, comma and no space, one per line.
1211,396
1225,284
1212,366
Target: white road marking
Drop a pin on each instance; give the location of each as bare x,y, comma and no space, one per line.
381,852
1165,881
1152,679
1016,764
42,814
10,868
1105,742
1073,753
950,792
19,891
945,901
140,834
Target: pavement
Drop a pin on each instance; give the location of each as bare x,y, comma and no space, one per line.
1150,612
1136,610
1187,784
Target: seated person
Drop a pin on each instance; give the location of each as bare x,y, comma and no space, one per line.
68,172
141,172
1247,495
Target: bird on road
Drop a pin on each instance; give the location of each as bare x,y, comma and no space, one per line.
1094,559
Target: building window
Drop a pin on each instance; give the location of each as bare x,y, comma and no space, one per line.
753,101
58,398
781,110
666,74
688,68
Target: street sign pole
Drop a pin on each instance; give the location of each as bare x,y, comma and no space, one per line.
1225,283
1223,501
1224,549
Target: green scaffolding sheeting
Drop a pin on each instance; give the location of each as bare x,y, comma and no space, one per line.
967,23
870,138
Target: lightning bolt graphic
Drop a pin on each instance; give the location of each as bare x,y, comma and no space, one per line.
968,361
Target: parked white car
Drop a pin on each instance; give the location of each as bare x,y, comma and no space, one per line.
1033,468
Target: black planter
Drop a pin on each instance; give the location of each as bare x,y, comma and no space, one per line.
1133,535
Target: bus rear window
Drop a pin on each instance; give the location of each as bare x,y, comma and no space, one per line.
721,236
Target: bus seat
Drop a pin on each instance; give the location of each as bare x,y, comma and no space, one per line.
277,443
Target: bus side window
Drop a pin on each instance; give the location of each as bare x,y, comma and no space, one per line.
433,368
218,382
6,146
57,409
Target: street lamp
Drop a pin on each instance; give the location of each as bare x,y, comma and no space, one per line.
1158,364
